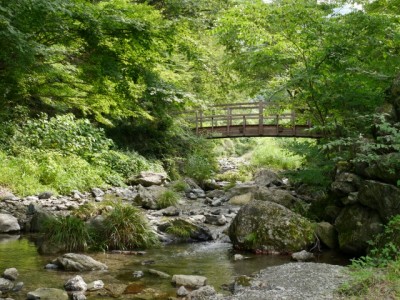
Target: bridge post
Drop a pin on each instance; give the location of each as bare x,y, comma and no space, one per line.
293,117
260,118
197,123
229,121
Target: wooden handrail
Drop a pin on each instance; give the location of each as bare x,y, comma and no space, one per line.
247,119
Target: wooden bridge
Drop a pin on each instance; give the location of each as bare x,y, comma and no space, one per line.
255,119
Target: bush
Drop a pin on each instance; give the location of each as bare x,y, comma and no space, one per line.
125,228
167,198
69,233
63,133
200,166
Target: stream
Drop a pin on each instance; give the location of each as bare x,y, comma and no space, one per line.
213,260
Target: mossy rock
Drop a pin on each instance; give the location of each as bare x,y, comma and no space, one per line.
356,225
271,228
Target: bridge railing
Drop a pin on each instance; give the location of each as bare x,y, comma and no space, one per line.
248,119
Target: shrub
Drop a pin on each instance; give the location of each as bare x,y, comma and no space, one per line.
125,227
200,166
63,133
167,198
69,233
180,186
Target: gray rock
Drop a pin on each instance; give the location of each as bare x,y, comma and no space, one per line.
351,198
345,183
195,231
138,274
238,257
189,280
95,285
267,178
18,286
147,197
75,284
8,196
380,169
45,195
47,294
171,211
51,267
215,193
40,215
78,296
182,292
148,179
203,293
159,273
78,262
6,285
294,281
215,219
241,199
356,225
96,192
8,223
199,193
281,197
383,197
302,256
11,274
270,228
326,232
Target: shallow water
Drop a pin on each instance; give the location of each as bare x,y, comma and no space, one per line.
212,260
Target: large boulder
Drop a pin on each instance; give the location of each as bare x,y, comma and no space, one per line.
345,183
186,229
386,169
267,178
39,217
385,198
47,294
192,281
6,285
279,196
149,178
78,262
8,223
147,197
271,228
327,234
356,225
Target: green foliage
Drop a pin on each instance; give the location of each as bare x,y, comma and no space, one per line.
385,248
36,171
271,154
167,198
180,186
369,148
63,133
70,233
125,227
199,166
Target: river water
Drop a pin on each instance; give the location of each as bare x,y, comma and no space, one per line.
213,260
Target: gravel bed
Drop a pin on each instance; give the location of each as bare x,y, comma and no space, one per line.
295,281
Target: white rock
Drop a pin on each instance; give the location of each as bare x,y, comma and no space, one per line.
189,280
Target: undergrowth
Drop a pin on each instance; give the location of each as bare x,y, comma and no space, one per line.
377,275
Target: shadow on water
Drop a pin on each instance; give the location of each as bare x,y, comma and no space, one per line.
212,260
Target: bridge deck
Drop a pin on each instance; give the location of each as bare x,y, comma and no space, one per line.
249,120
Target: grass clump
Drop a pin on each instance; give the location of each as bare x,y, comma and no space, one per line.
125,227
180,229
68,233
167,198
180,186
